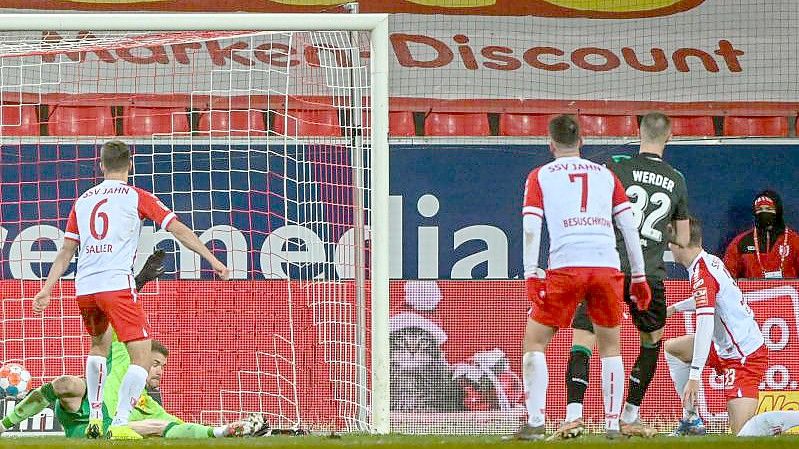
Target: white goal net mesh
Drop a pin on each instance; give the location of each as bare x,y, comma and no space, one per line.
260,142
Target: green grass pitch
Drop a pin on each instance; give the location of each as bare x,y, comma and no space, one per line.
409,442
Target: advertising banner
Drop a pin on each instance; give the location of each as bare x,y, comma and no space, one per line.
285,348
701,56
455,210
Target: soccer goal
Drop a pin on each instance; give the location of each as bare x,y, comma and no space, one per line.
267,135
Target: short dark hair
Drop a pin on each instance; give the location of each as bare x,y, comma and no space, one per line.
115,155
696,232
564,131
655,126
160,348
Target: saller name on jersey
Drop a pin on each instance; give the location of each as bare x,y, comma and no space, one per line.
106,221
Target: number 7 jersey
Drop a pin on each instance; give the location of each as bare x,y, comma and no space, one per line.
106,221
579,199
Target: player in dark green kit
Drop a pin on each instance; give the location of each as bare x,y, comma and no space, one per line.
658,196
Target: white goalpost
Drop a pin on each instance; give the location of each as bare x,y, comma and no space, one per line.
267,135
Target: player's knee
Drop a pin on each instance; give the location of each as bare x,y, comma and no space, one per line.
583,338
651,338
68,386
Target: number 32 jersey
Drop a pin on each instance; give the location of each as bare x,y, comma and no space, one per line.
579,199
106,221
658,196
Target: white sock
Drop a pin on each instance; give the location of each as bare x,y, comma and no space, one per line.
770,423
629,413
129,392
679,372
536,380
95,379
612,390
574,411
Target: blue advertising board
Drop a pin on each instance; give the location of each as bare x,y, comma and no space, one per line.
455,208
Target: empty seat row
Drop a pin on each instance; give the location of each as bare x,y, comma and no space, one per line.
448,124
22,120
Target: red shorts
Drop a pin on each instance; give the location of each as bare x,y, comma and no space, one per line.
601,288
120,308
741,380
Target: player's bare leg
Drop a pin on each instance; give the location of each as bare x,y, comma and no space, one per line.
740,411
536,379
640,377
133,383
576,383
95,379
679,353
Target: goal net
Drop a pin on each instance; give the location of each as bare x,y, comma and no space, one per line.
265,144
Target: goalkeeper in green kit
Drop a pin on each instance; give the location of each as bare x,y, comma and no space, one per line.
67,394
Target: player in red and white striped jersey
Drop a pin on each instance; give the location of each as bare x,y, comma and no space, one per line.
580,201
105,223
724,319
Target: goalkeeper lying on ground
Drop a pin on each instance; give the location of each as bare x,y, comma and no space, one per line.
148,418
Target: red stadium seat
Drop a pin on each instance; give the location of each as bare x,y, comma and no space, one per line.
401,124
609,125
141,121
233,122
523,124
756,126
312,122
692,126
19,120
452,124
81,121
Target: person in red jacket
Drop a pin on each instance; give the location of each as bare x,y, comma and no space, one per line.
770,249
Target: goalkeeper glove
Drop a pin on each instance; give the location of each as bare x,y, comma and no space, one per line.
536,285
153,268
640,292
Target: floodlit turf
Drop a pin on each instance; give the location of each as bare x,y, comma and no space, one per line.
408,442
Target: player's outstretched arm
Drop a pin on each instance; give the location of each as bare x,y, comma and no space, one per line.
60,264
639,289
187,237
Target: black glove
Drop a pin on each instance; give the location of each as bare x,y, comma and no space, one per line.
153,268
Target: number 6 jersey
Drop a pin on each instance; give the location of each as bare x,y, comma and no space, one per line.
106,221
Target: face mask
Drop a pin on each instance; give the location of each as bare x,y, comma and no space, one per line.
766,219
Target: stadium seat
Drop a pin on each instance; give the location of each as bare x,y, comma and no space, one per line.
81,121
453,124
312,122
142,121
523,124
19,120
401,124
692,126
609,125
756,126
233,122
